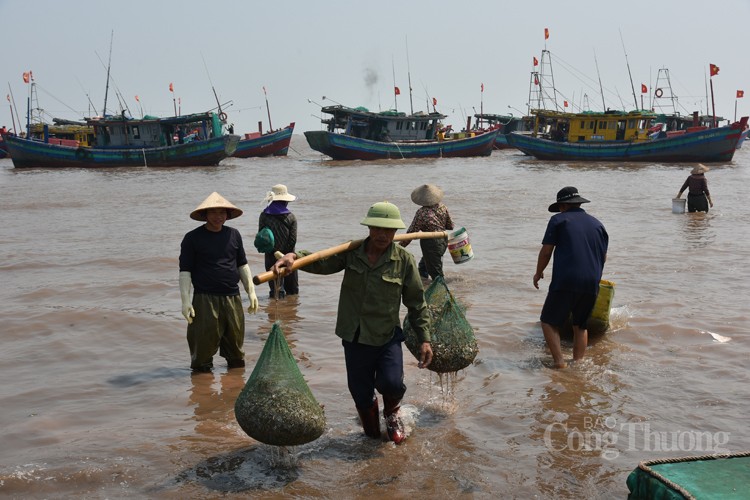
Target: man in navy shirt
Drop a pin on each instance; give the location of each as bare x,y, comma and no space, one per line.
213,261
579,243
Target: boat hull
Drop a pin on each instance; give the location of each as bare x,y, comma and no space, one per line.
344,147
273,144
712,145
27,153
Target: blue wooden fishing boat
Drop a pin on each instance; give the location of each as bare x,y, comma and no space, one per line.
358,134
119,141
623,136
258,144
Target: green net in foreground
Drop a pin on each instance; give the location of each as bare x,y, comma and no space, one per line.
454,346
276,406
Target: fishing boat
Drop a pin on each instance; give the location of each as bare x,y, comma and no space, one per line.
623,136
358,134
506,123
259,144
119,141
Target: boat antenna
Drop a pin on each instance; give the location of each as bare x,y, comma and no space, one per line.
109,65
393,68
212,83
601,90
270,127
408,72
12,103
635,99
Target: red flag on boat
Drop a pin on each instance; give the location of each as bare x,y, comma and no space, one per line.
536,61
644,89
171,87
482,87
434,101
136,98
397,90
536,80
565,103
546,33
740,93
26,77
714,69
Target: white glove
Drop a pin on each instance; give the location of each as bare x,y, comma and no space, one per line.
187,307
247,282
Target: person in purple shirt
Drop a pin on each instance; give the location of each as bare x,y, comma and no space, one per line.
579,244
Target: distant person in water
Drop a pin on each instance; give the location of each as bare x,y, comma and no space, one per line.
698,197
579,244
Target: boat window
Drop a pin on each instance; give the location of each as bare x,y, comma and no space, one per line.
583,123
631,123
424,126
591,125
602,125
399,125
136,132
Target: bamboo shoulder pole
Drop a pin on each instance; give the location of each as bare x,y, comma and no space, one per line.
344,247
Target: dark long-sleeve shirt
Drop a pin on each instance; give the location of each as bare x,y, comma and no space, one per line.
696,184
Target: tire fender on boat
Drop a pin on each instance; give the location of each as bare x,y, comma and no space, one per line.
659,93
223,116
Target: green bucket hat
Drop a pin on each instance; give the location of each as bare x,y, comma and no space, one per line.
385,215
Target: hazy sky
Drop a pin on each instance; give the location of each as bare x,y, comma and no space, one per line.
349,50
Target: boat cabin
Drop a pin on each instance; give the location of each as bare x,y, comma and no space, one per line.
593,126
509,123
385,126
122,132
63,132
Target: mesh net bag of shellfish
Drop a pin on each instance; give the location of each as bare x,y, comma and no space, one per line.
454,345
276,406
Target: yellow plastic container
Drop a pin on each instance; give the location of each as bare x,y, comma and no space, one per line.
599,320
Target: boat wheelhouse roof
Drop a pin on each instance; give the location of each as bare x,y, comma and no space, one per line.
167,120
342,114
639,113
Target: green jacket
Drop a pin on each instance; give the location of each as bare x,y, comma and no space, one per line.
371,296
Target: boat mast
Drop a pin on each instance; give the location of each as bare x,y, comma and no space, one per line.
408,72
109,64
218,104
630,75
268,109
395,93
601,90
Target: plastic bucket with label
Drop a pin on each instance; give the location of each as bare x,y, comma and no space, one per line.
459,246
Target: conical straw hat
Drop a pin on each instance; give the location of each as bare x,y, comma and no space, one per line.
215,200
427,195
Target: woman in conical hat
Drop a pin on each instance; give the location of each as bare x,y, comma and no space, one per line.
212,262
283,225
698,198
432,216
